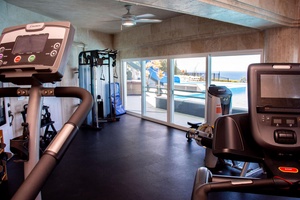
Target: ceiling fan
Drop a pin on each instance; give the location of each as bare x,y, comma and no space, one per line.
130,20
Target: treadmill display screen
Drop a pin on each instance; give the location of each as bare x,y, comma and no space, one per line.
30,44
280,86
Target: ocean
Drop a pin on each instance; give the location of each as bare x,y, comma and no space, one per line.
231,75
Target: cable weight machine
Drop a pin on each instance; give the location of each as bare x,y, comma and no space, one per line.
89,62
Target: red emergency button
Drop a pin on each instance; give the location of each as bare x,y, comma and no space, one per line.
288,169
17,59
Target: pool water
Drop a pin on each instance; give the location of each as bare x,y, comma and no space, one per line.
239,95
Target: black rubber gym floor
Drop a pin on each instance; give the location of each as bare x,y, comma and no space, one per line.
128,159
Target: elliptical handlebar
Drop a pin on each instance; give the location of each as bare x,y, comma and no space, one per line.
85,106
54,152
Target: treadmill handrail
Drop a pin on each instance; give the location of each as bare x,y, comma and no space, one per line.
52,155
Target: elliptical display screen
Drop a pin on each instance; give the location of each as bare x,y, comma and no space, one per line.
30,44
279,86
278,92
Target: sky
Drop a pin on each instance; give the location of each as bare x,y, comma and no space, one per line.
219,63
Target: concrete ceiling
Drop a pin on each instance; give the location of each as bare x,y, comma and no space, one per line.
99,15
105,15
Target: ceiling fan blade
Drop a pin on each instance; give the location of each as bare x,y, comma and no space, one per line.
148,20
145,16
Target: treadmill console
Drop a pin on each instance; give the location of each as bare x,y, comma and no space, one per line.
274,106
36,51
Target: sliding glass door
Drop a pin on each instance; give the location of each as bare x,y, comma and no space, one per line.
155,90
189,90
133,86
146,88
172,90
231,71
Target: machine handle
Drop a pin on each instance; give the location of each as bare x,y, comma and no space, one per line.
206,141
39,174
9,92
12,117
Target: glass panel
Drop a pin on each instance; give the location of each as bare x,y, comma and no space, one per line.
156,89
189,90
231,71
134,87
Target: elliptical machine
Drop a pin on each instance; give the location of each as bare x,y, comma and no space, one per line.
268,134
34,54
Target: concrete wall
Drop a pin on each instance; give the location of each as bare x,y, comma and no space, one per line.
285,8
189,35
186,35
60,109
282,45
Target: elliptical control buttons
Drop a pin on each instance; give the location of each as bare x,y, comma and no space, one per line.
31,58
17,59
285,137
53,53
56,45
1,55
284,121
265,119
288,169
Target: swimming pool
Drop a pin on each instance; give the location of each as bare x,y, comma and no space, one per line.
235,89
239,95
